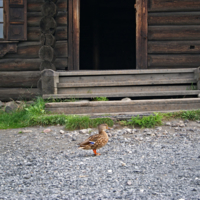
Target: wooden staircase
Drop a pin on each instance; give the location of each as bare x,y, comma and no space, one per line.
122,83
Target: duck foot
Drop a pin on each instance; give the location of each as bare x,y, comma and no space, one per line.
95,152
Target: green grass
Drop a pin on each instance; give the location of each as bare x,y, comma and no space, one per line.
144,122
100,99
36,115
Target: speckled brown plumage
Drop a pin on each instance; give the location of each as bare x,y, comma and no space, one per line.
96,141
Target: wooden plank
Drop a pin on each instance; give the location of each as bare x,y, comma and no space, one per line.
70,36
183,60
123,89
35,5
61,33
61,63
61,49
190,47
19,79
19,64
34,18
76,33
34,33
178,5
122,103
141,34
121,72
18,93
115,83
137,94
174,18
174,33
148,107
125,78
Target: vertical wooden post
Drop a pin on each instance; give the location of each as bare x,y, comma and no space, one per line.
197,77
76,32
141,33
70,35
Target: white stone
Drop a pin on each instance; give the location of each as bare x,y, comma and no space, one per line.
126,99
110,171
123,164
168,124
62,132
27,131
47,130
159,128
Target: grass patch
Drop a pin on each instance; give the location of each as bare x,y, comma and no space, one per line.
100,99
144,122
82,122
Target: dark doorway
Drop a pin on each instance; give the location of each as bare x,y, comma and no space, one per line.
107,35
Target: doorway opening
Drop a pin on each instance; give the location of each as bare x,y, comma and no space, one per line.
107,35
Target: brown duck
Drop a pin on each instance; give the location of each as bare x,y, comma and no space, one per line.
97,141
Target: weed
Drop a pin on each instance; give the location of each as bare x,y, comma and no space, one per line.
192,87
144,122
100,99
81,122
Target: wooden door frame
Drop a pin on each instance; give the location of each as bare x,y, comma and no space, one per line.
74,34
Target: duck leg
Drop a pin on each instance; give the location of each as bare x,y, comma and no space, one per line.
95,152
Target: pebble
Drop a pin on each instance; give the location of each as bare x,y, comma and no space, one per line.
131,166
62,132
47,130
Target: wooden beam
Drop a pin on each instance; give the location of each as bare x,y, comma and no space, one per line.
141,33
76,32
70,35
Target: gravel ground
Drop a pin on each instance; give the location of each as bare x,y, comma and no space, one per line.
161,163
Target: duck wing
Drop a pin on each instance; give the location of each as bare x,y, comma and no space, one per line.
91,140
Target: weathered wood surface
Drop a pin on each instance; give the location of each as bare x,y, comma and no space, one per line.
111,91
122,107
28,64
70,36
172,60
47,53
35,5
174,18
18,93
125,83
61,49
19,79
122,72
34,18
141,34
19,64
34,33
174,32
190,47
61,63
131,94
173,5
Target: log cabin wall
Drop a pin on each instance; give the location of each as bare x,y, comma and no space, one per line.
173,34
46,47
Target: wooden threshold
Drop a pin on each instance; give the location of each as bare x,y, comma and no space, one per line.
136,94
103,107
121,72
124,83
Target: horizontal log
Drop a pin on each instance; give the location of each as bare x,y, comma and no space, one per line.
61,49
35,5
131,94
29,64
18,93
61,63
183,60
174,33
19,79
26,50
61,33
34,18
19,64
34,33
178,5
190,47
174,18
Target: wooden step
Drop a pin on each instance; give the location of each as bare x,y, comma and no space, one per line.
131,94
110,107
126,83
